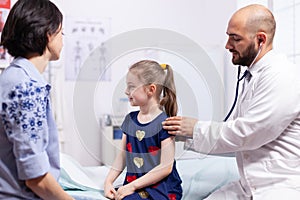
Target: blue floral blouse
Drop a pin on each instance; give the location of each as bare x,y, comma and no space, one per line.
29,144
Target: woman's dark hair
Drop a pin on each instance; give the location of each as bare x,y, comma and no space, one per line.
28,26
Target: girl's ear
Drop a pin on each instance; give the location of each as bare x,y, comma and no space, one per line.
151,89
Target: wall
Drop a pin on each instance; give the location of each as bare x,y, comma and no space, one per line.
197,23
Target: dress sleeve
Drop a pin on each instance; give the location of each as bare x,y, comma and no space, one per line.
163,134
24,114
125,124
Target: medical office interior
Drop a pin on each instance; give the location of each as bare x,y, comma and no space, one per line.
103,38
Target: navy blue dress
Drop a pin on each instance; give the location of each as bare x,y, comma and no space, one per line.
143,154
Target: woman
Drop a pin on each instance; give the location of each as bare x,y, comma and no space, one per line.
29,148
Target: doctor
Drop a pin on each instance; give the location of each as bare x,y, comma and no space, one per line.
265,129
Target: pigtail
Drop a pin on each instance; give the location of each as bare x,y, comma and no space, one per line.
168,100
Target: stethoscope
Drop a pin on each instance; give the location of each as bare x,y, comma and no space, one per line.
238,82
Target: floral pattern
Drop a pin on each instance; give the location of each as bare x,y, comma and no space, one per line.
26,107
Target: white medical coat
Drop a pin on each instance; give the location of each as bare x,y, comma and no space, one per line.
264,132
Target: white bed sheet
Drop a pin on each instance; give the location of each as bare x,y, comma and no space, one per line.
201,175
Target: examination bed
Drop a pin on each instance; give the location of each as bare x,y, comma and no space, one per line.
200,176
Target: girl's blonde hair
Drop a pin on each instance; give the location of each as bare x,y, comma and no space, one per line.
151,72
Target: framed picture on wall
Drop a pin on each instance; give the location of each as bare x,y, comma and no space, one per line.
5,58
85,42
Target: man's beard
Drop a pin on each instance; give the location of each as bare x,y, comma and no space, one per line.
246,58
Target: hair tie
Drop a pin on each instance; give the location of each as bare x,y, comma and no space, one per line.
163,66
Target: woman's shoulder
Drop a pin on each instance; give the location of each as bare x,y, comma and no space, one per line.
11,77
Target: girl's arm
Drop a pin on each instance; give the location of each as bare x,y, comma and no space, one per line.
156,174
116,169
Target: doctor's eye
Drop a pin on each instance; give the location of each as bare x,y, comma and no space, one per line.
236,38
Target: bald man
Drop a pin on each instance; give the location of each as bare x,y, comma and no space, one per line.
264,131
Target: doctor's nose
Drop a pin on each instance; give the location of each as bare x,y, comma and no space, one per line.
228,45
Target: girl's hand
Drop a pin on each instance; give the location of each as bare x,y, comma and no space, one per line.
124,191
109,191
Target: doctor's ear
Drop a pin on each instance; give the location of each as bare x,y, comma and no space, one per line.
260,41
261,37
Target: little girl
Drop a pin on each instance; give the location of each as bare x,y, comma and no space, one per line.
147,149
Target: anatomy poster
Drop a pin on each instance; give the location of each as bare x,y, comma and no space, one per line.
85,43
5,58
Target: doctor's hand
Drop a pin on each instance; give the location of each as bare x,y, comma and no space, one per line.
180,126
